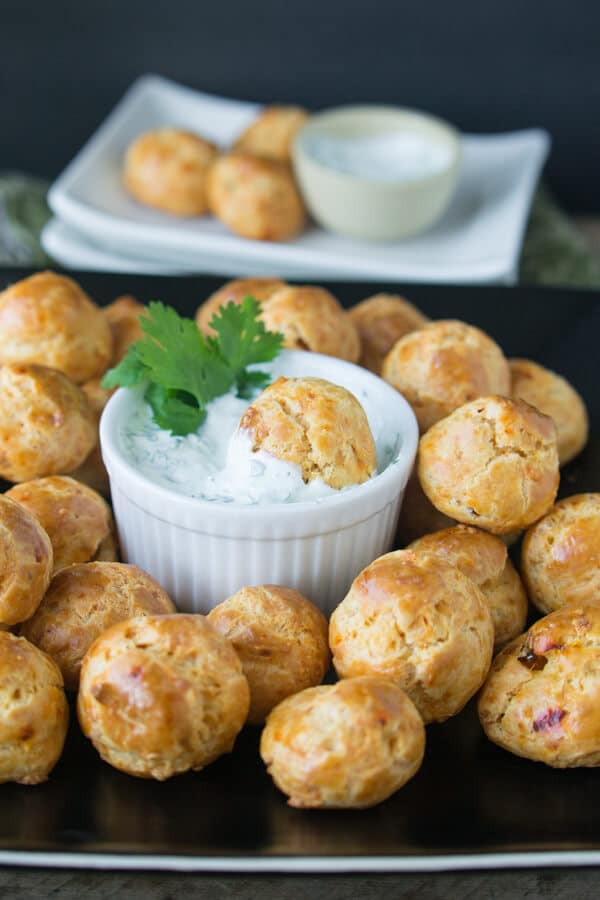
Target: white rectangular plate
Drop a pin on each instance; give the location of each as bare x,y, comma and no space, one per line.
478,239
74,251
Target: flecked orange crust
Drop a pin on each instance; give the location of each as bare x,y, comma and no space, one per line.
351,744
281,640
167,169
415,619
560,557
48,319
542,697
492,463
161,695
316,425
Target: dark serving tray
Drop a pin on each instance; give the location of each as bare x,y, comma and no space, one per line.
472,805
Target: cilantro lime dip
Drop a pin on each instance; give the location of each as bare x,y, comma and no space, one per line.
216,462
394,156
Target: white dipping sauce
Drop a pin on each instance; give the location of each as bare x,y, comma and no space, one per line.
393,156
217,462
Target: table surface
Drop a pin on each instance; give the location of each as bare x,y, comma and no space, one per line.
582,884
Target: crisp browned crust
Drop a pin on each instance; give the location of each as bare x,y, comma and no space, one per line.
82,602
281,640
443,365
48,319
162,695
234,292
76,518
310,318
542,697
25,562
351,744
479,555
46,424
316,425
553,395
415,619
560,559
168,168
33,712
492,463
483,558
381,320
272,132
255,198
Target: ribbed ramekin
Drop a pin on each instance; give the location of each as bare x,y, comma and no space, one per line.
203,551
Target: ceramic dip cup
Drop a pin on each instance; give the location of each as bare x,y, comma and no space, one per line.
378,173
203,551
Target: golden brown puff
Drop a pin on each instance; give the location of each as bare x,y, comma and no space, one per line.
492,463
443,365
255,198
345,745
381,320
310,318
281,640
25,562
168,168
46,424
483,558
162,695
76,518
479,555
560,558
34,714
234,292
48,319
316,425
82,602
541,699
415,619
272,133
123,316
553,395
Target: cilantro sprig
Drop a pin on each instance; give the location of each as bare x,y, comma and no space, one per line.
184,370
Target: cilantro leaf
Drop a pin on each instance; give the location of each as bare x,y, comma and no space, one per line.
179,358
130,371
249,382
184,370
174,410
243,339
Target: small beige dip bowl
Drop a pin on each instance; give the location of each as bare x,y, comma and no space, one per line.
374,208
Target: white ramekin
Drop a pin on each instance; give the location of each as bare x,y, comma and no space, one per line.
203,551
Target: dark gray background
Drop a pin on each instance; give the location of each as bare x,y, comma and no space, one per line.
484,64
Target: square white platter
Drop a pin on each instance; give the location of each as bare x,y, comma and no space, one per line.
478,239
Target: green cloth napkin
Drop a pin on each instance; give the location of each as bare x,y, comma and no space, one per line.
23,214
554,250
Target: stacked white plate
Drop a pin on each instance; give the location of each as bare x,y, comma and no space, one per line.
96,225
